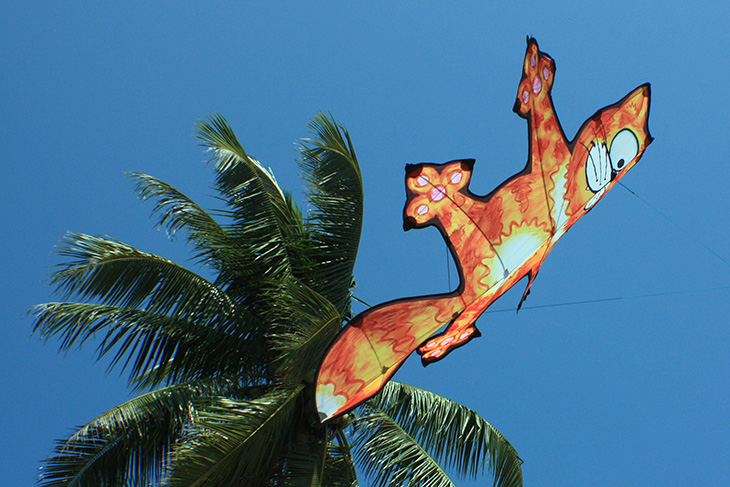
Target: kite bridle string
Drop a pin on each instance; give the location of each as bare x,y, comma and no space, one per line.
690,235
494,249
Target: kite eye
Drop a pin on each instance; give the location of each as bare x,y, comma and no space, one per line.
624,148
598,168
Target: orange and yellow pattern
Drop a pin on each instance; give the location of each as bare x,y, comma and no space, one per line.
496,239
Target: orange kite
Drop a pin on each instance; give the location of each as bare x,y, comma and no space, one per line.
496,239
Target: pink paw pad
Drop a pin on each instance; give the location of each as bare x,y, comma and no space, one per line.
537,85
438,193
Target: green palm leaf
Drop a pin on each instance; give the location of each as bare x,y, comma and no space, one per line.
261,213
454,434
339,469
315,457
390,456
128,444
302,462
159,348
120,275
306,324
234,442
178,212
335,191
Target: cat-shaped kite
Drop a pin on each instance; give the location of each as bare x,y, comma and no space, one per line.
496,240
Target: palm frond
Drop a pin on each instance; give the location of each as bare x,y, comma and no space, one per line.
299,243
120,275
315,457
178,212
262,218
158,348
217,136
234,442
128,445
302,461
305,325
390,456
454,434
335,191
339,469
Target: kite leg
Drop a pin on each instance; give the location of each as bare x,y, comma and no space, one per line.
461,330
531,276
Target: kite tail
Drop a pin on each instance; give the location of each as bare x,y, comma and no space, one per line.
372,347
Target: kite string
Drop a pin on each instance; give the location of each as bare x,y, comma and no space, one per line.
663,215
616,298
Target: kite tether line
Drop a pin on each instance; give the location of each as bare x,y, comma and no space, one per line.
615,298
663,215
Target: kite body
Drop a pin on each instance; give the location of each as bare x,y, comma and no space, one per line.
496,240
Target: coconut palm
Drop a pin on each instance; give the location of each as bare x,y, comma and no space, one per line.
224,366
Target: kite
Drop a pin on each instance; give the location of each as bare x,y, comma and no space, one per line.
495,240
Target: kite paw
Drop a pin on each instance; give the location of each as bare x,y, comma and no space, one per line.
440,345
537,77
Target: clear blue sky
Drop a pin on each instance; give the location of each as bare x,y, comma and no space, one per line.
633,391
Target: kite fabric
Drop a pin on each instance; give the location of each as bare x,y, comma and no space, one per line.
495,240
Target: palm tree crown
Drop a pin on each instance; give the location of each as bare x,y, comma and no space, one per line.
225,366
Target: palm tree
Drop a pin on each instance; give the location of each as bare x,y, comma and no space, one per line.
225,366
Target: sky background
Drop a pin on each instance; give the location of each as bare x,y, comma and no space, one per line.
628,388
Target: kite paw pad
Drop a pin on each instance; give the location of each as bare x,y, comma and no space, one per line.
440,345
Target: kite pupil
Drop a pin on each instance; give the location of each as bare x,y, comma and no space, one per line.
620,163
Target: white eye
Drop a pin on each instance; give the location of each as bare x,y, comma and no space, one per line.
624,148
598,168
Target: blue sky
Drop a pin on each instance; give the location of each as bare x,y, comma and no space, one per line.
632,390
